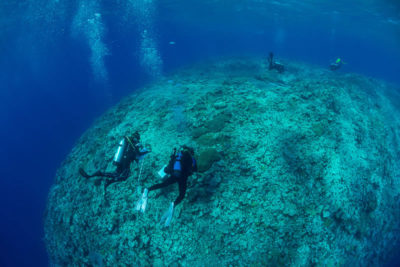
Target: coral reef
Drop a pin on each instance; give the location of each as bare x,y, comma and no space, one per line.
295,169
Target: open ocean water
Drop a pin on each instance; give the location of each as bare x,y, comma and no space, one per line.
64,63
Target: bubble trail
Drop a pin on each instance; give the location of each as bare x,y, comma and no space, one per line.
88,24
150,59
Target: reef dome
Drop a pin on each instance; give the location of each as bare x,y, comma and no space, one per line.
299,168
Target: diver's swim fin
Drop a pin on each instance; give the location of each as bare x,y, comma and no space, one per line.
167,217
142,203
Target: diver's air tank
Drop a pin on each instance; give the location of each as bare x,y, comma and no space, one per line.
120,151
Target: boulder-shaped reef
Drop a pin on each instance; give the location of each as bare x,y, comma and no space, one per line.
299,168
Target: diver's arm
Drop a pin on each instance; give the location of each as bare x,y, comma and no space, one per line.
170,166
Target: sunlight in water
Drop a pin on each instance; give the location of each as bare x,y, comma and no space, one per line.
150,59
88,24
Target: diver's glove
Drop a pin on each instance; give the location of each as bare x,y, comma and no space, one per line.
142,153
142,203
167,217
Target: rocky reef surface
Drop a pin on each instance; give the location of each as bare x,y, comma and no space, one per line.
295,169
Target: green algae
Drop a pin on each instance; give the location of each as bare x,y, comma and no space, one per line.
207,158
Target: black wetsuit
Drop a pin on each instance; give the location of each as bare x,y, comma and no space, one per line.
188,166
275,65
131,153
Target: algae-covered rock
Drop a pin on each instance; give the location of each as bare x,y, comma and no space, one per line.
295,169
207,158
196,133
211,139
218,122
220,105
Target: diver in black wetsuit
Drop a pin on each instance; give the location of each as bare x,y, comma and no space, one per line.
129,150
179,168
274,64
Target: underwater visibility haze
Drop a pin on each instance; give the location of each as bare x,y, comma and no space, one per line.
200,132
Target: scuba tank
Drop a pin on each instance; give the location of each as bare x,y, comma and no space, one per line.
120,151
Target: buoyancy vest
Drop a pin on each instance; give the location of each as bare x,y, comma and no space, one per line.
178,167
177,163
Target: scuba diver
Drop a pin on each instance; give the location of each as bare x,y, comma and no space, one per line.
179,168
274,64
129,150
336,65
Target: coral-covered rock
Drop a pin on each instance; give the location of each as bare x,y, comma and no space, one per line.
296,169
207,158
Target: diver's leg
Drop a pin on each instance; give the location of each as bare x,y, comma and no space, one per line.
83,173
182,192
166,183
99,174
86,175
124,175
118,176
142,203
110,181
112,175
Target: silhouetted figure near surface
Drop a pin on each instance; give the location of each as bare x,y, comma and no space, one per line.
336,65
129,150
274,65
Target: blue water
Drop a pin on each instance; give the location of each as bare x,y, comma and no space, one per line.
50,93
